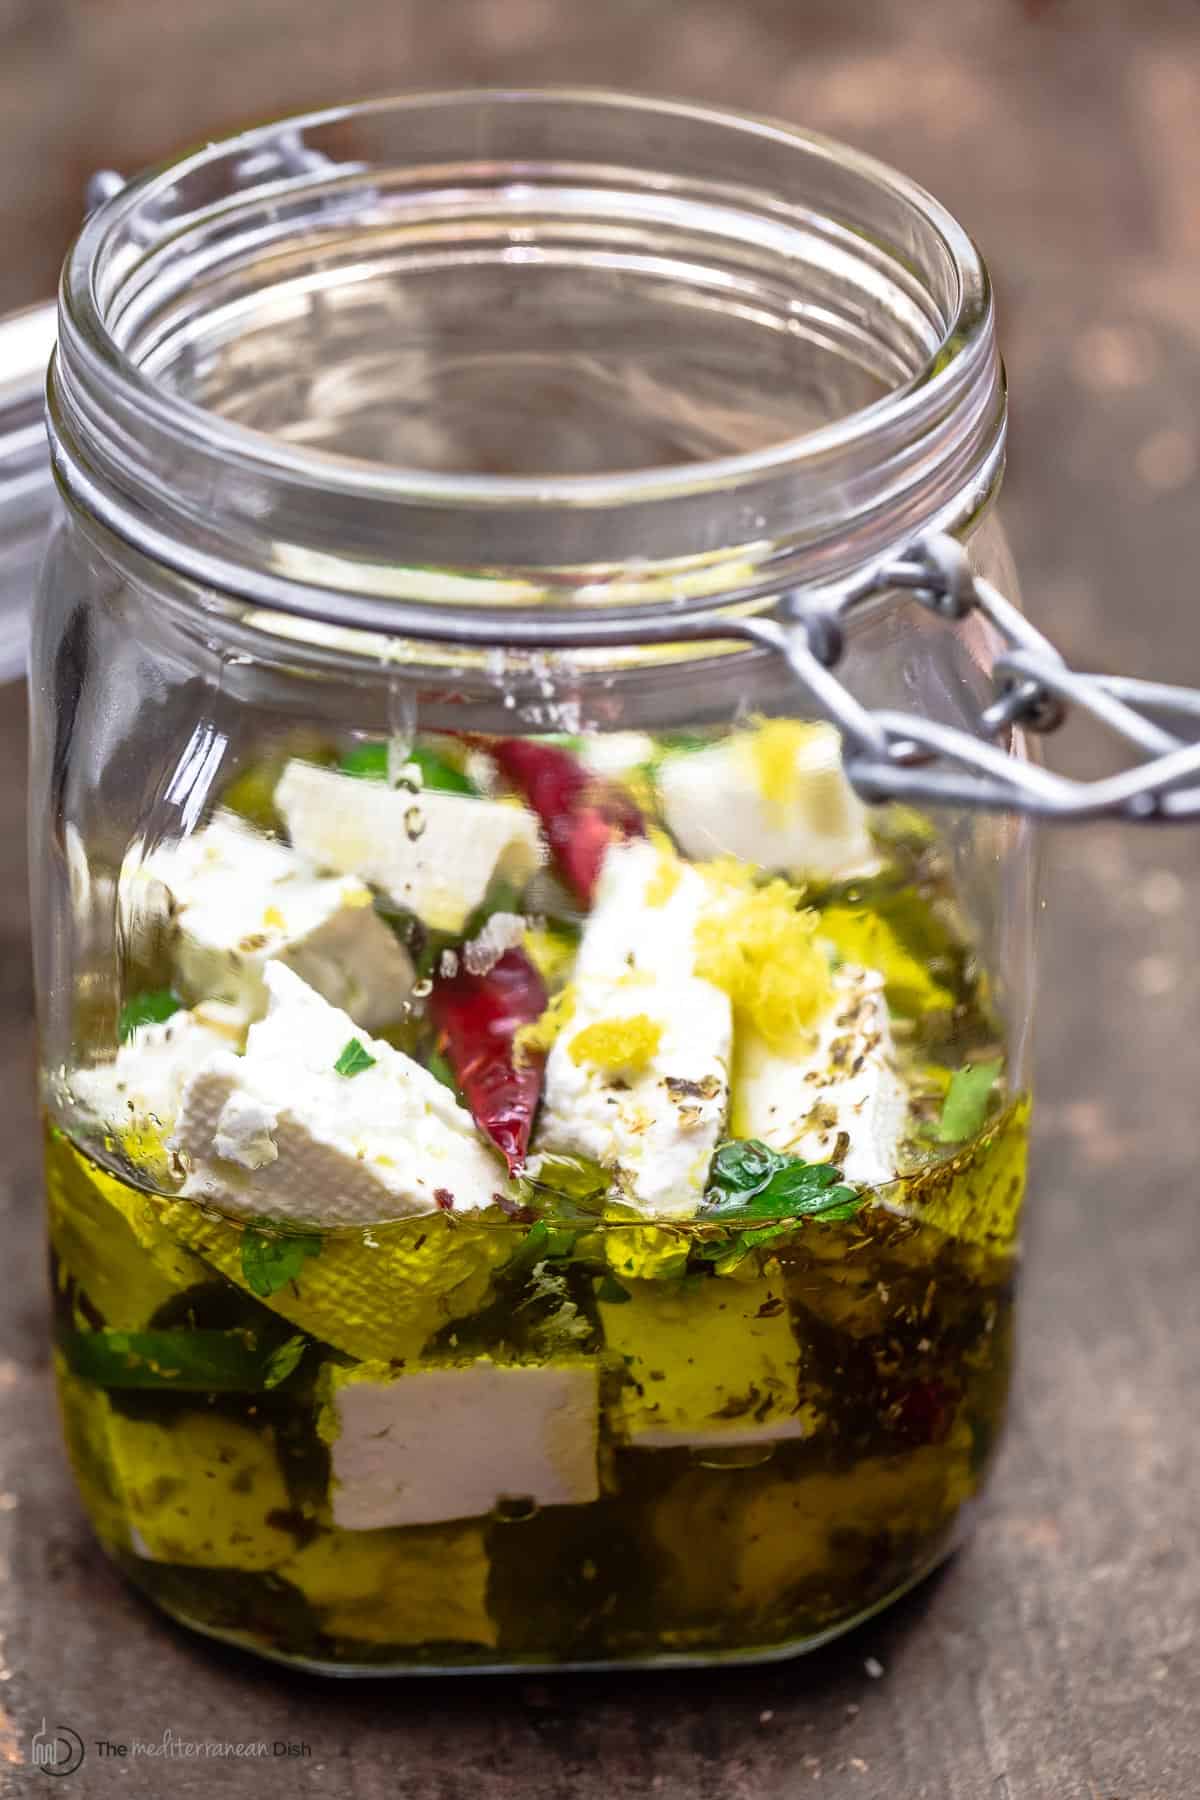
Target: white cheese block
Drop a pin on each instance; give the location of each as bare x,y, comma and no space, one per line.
436,854
141,1088
200,1489
616,753
717,1366
453,1442
658,1128
847,1082
237,901
715,805
279,1133
655,1129
398,1587
628,930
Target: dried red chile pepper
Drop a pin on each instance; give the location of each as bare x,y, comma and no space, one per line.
476,1018
580,813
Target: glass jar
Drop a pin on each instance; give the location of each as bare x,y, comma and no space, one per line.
534,1164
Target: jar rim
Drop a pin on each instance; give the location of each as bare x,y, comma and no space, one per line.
944,423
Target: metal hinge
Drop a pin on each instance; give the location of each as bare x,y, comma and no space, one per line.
902,756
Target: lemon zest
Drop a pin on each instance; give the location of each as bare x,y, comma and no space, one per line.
760,946
619,1046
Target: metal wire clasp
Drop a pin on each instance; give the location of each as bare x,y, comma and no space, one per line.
902,756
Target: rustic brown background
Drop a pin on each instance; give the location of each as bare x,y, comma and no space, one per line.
1059,1657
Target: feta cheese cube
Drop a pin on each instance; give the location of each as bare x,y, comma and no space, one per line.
279,1133
716,1366
389,1587
85,1412
139,1091
203,1490
436,854
644,916
237,900
113,1240
657,1127
845,1085
380,1294
775,796
770,1535
451,1442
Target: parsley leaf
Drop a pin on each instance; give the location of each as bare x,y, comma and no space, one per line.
750,1182
354,1059
270,1261
966,1104
147,1009
282,1362
544,1243
683,740
189,1361
426,946
371,762
743,1166
560,1323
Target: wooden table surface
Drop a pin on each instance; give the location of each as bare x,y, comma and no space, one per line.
1059,1655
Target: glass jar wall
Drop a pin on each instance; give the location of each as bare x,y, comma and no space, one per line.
534,1164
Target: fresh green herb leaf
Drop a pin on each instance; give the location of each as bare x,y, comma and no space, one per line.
742,1167
426,946
282,1362
547,1243
501,896
188,1361
966,1104
440,1068
610,1290
438,774
147,1009
370,761
751,1182
354,1059
423,945
561,1323
271,1260
669,743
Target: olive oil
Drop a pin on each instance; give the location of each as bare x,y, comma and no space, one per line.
563,1427
781,1445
